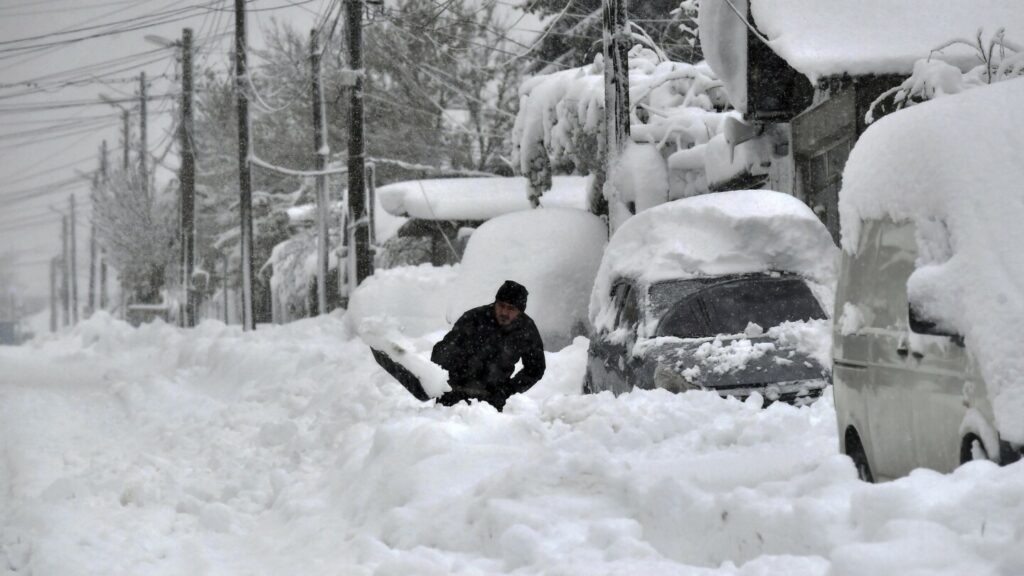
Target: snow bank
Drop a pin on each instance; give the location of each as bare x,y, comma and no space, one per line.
713,234
286,450
953,166
553,252
870,36
415,296
475,198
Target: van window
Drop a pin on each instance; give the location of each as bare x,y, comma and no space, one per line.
856,272
894,263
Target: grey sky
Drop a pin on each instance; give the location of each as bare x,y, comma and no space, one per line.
27,227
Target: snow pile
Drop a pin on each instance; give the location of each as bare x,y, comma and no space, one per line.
385,335
872,36
810,337
288,451
714,234
953,166
675,108
554,253
475,198
414,296
724,357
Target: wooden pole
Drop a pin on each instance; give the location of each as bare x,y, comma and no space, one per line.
616,90
244,166
320,153
74,262
356,149
187,178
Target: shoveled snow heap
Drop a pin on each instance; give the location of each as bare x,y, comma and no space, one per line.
475,198
734,232
955,166
554,252
286,450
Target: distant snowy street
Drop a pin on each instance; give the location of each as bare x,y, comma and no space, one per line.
288,451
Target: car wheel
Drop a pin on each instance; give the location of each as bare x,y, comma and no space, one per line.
972,449
855,450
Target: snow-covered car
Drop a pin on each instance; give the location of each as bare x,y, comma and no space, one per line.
724,292
929,306
442,212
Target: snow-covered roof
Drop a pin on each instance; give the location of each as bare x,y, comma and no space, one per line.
881,36
733,232
853,37
956,161
476,198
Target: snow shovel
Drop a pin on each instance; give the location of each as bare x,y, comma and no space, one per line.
407,379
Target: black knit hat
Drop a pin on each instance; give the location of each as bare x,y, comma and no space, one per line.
512,293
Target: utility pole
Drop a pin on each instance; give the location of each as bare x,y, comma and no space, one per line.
104,180
90,305
320,155
74,264
616,90
126,134
143,141
224,288
54,263
359,239
244,166
371,200
99,180
64,260
187,178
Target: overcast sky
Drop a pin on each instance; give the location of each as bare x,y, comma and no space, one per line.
46,145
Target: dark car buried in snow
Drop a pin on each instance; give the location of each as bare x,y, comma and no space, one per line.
706,293
708,337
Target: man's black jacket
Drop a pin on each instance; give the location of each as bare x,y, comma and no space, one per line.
480,356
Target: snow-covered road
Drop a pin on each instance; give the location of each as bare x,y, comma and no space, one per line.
287,451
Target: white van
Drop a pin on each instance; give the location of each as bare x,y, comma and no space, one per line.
926,360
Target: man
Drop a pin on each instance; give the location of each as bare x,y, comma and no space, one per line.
481,350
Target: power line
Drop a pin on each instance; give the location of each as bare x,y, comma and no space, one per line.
35,107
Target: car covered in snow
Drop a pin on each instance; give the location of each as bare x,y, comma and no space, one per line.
724,292
927,340
441,213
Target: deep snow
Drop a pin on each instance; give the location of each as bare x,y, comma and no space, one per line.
287,451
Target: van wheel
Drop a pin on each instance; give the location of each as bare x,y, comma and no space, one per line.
972,448
855,450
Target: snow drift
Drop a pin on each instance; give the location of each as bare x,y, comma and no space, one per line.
553,252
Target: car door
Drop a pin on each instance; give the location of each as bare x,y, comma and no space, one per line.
890,399
920,374
937,363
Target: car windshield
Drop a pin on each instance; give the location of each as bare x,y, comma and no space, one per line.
727,307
